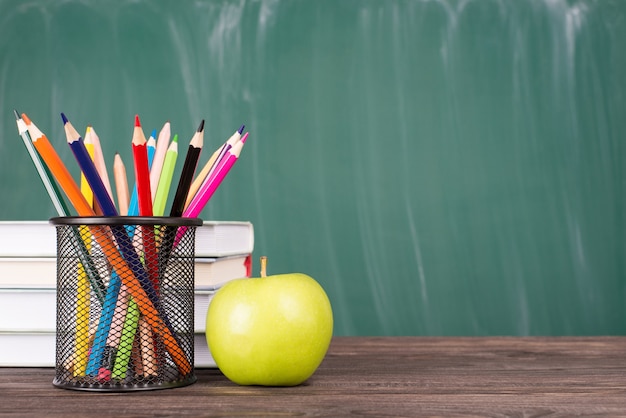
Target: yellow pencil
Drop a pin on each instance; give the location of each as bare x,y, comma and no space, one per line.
83,296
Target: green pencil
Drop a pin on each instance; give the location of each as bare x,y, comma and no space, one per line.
44,173
60,206
165,180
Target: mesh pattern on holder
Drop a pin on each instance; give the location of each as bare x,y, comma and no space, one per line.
125,295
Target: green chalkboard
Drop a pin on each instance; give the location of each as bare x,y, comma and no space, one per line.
441,167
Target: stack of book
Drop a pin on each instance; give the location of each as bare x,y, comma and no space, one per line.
28,285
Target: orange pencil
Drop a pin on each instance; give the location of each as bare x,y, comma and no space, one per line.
58,169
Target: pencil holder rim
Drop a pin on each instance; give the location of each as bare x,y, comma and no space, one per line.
125,220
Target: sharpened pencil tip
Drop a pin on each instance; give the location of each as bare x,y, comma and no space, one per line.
244,137
137,123
175,138
17,115
64,118
201,127
26,119
153,134
241,129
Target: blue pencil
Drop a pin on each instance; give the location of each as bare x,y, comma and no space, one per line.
108,207
99,342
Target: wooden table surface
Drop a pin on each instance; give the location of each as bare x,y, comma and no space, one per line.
378,376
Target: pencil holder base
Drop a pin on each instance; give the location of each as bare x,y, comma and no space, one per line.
131,386
125,304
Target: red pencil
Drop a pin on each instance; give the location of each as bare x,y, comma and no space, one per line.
142,170
144,198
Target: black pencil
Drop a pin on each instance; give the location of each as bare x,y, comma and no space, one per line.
189,169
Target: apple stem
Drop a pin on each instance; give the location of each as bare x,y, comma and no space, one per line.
263,266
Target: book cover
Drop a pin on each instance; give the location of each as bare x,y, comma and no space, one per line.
24,272
28,310
33,349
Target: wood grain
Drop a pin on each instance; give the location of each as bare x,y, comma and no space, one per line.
378,376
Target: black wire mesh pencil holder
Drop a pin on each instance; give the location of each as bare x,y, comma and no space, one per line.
125,303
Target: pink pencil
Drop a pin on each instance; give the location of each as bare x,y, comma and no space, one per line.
211,184
159,157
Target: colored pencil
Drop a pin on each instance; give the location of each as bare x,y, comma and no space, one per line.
165,179
189,168
159,158
151,147
211,184
210,165
66,182
82,293
125,346
120,314
133,204
121,184
88,168
106,316
142,170
178,205
57,168
98,157
84,184
44,174
144,197
147,346
130,271
99,191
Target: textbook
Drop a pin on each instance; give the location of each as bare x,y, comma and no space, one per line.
224,238
38,239
212,273
37,349
41,272
28,310
34,310
28,328
32,349
27,239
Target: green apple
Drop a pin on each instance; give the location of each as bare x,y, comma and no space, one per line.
270,331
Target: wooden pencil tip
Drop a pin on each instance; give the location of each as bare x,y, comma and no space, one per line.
175,138
26,119
201,127
137,123
241,129
154,133
64,118
244,138
17,115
